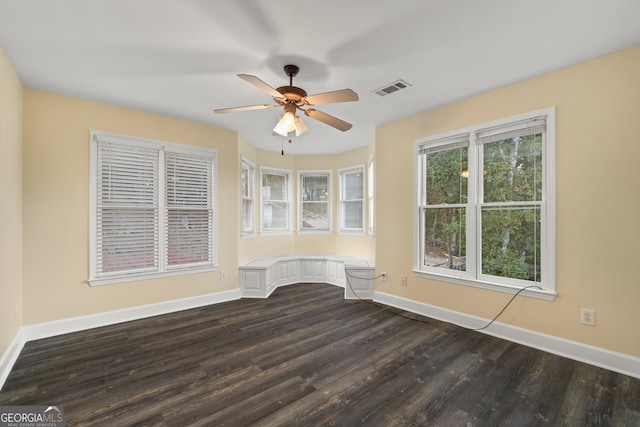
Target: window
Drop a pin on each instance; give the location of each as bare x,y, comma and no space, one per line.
314,194
352,199
370,196
485,200
152,208
247,195
276,194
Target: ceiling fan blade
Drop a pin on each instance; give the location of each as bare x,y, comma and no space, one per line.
328,119
260,85
343,95
246,108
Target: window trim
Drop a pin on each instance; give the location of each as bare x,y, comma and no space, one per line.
163,270
276,171
341,201
548,210
328,174
251,167
371,193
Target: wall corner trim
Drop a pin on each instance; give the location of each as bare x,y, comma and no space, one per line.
603,358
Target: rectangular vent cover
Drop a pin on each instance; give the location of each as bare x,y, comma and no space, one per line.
392,87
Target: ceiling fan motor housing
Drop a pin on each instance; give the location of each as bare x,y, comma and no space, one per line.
291,92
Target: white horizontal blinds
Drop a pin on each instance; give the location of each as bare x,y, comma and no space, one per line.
444,144
519,128
126,208
188,208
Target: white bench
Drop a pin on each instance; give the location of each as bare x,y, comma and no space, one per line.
260,277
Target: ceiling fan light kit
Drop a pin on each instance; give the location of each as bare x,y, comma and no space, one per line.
293,98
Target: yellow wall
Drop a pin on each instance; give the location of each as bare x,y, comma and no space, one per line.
56,207
598,200
11,120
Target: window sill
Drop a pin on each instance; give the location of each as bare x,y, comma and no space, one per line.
352,232
144,276
275,232
533,293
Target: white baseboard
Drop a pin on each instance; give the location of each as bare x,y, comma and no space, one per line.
74,324
10,356
617,362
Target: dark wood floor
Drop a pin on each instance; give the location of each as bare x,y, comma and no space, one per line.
305,356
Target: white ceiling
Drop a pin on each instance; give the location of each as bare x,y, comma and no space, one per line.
180,57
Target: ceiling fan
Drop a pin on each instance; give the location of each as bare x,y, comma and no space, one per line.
293,98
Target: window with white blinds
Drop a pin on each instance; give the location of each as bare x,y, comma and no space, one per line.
152,208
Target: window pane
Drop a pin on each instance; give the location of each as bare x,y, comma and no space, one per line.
188,236
352,215
245,182
315,216
511,242
445,238
315,188
274,187
513,169
353,183
276,215
446,176
127,239
188,180
247,215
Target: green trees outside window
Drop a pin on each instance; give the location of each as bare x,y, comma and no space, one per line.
484,214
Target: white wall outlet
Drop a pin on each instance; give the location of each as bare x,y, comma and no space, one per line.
384,276
587,317
223,275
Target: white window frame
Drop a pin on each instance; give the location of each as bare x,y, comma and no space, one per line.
371,196
473,276
266,170
342,198
312,173
248,195
163,268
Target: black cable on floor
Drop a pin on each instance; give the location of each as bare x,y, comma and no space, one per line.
386,307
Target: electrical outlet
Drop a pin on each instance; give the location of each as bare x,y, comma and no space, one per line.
403,280
587,317
223,275
384,276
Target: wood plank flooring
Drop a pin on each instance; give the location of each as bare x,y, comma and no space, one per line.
307,357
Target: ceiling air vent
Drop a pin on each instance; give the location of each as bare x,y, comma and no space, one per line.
392,87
